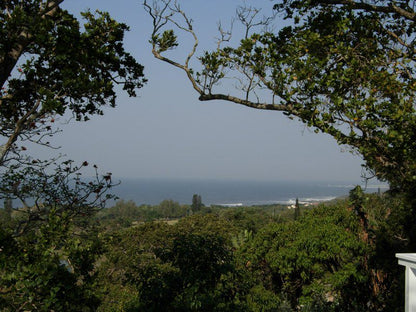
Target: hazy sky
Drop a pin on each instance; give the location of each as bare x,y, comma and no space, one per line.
167,133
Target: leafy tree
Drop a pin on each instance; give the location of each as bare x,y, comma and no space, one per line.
297,209
50,65
387,226
193,265
125,213
313,261
169,208
345,68
196,203
50,269
167,267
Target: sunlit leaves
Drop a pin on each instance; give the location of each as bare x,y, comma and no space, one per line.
167,41
317,254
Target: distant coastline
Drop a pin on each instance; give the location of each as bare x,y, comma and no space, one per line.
232,192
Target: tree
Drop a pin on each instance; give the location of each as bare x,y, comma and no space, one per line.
59,193
316,261
343,67
196,203
51,66
297,210
156,266
169,208
48,270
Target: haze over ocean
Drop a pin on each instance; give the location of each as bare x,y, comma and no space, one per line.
166,132
153,191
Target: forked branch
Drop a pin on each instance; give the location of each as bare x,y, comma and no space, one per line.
163,14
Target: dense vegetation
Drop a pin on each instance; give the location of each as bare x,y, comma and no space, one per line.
332,257
354,80
267,258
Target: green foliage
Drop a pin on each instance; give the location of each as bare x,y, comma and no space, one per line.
170,209
79,65
261,299
306,260
308,67
326,260
167,267
165,42
232,260
389,229
252,219
50,64
126,213
47,270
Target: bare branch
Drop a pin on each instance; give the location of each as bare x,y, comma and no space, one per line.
248,15
225,35
160,18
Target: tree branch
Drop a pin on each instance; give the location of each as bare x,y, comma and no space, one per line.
390,9
160,20
264,106
9,60
21,123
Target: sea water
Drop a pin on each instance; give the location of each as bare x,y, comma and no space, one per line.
231,192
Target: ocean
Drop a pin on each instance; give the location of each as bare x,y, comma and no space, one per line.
229,192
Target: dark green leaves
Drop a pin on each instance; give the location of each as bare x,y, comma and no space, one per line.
65,67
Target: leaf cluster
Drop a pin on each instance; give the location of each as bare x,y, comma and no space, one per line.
175,267
63,66
48,269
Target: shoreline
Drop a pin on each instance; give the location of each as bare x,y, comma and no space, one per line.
232,193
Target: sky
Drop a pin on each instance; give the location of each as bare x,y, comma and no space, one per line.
166,132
